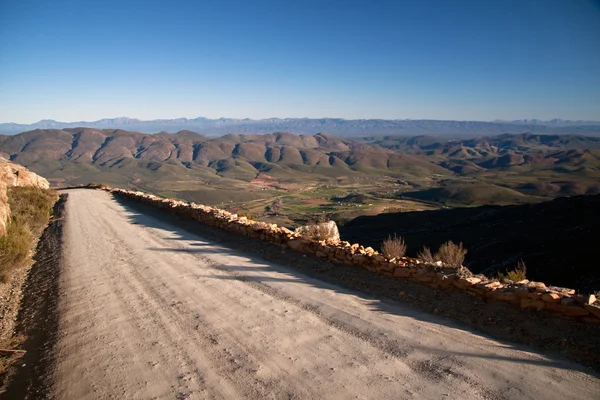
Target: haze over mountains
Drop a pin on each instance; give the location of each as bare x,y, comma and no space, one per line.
335,126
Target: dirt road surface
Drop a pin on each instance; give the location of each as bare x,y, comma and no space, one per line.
148,310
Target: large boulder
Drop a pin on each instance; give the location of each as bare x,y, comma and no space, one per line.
12,174
321,231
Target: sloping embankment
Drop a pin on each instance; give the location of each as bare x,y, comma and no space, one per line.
12,174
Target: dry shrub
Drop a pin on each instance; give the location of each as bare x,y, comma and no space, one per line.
32,205
451,254
393,247
426,255
30,212
249,216
319,231
516,275
14,247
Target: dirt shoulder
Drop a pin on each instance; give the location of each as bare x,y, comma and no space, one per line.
37,319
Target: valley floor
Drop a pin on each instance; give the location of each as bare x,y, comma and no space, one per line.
148,310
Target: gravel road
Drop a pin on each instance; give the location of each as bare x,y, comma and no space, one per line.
148,310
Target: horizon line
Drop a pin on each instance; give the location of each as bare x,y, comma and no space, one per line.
314,118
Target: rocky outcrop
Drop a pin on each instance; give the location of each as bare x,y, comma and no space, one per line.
12,174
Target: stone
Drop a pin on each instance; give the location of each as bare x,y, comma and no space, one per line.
359,259
387,267
522,292
534,295
537,286
573,311
595,310
423,278
477,291
401,272
490,285
467,282
567,301
502,296
321,254
534,304
300,245
551,298
473,280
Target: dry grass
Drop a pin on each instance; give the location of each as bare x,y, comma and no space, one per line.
451,254
7,358
30,212
393,247
31,209
425,255
516,275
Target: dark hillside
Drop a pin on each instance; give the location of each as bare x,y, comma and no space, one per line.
556,239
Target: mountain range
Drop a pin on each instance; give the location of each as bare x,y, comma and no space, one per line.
501,169
334,126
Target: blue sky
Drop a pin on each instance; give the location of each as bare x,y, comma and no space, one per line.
434,59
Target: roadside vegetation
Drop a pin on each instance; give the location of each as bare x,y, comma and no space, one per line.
425,255
451,253
393,247
30,209
516,275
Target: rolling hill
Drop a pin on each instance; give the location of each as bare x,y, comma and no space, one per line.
503,169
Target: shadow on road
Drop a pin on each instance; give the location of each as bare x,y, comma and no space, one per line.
517,329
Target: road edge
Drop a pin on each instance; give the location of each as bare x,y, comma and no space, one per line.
30,377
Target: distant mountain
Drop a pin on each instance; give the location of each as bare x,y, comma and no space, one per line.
79,155
501,169
334,126
557,122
